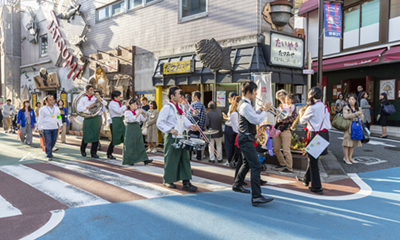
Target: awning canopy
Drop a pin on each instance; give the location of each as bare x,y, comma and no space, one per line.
308,6
287,75
392,54
245,60
352,60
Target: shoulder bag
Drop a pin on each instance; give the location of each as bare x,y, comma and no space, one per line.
389,109
357,130
340,123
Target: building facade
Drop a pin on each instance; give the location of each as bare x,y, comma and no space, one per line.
368,53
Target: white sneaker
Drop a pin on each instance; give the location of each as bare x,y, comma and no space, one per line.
55,149
5,131
226,163
154,150
148,150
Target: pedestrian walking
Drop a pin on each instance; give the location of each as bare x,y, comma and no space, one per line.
366,109
214,122
150,124
352,112
200,118
230,135
49,124
340,103
382,115
134,150
8,113
64,120
117,126
37,109
317,118
26,121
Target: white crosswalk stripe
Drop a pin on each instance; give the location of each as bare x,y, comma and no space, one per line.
7,209
59,190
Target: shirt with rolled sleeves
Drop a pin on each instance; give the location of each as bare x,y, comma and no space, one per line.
167,119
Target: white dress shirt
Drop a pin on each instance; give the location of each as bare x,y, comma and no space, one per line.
167,119
317,114
248,112
228,122
130,118
235,122
8,109
48,118
84,103
115,110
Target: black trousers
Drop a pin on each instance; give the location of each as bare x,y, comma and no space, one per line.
93,149
198,155
250,161
110,149
239,162
312,173
230,137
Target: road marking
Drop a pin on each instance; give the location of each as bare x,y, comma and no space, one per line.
137,186
369,160
55,219
372,142
27,157
7,209
59,190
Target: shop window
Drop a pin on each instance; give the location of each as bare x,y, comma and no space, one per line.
361,24
394,21
191,9
43,46
103,13
118,7
135,3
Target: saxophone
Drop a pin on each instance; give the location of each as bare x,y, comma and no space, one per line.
296,121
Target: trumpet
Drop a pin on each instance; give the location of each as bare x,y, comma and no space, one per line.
278,113
296,121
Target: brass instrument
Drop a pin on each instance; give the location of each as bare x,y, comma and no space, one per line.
274,111
93,112
296,121
263,136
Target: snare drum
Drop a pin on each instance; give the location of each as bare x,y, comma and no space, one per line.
193,144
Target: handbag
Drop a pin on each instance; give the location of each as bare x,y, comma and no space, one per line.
357,130
144,130
340,123
389,109
365,132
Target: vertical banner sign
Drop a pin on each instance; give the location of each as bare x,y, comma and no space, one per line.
221,98
333,20
264,92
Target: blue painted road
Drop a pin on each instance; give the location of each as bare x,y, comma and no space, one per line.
229,215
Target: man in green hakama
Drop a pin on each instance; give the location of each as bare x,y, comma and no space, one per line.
117,126
91,126
172,123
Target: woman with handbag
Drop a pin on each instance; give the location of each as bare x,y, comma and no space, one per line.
366,109
353,113
151,127
382,115
317,118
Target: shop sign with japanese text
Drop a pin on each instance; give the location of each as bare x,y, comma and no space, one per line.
178,67
286,51
333,20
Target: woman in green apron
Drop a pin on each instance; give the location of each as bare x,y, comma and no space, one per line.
134,149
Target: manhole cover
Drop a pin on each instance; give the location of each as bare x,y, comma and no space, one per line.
392,148
369,160
368,150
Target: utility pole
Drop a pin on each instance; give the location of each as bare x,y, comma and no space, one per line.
320,39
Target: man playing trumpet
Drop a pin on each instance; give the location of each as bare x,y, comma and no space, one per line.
248,119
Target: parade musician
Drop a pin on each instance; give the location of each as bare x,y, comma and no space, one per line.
172,123
248,119
91,126
117,126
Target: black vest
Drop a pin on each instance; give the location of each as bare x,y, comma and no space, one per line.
244,125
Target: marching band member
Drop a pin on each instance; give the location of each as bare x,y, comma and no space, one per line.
172,123
317,117
90,125
134,149
117,126
248,119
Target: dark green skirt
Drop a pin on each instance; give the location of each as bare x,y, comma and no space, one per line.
176,162
118,130
91,128
134,150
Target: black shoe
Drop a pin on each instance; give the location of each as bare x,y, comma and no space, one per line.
95,156
303,180
189,187
148,161
278,168
169,185
110,157
240,189
211,161
83,154
244,183
318,190
286,171
220,161
262,182
260,200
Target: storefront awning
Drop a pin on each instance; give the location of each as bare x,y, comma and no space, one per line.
287,75
352,60
308,6
392,54
245,59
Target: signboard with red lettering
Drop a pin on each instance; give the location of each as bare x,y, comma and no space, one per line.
286,51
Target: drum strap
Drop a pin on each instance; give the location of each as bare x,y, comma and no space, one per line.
179,118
